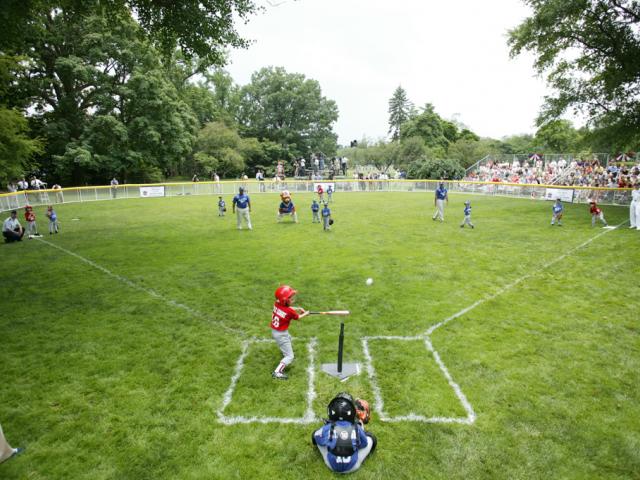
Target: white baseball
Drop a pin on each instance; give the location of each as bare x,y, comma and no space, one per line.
369,281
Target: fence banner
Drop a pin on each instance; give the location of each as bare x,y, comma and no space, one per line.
152,191
564,194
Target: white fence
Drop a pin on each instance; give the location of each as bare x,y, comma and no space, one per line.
10,201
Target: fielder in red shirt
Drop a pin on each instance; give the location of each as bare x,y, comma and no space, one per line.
282,315
320,193
596,213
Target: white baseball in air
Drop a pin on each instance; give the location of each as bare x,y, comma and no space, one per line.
369,281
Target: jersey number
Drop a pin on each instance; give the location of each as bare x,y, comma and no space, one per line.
275,321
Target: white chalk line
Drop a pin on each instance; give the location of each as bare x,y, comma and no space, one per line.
471,415
148,291
378,402
518,281
309,415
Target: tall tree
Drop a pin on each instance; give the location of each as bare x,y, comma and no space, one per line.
205,28
288,109
591,52
400,109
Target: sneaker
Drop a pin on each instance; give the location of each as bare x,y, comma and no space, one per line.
279,376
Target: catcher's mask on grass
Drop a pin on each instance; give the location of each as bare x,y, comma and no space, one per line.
342,407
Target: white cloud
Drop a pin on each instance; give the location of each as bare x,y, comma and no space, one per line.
451,54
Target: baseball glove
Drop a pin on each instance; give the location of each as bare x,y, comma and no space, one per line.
224,209
363,411
331,221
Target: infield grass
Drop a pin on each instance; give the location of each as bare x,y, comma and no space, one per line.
118,350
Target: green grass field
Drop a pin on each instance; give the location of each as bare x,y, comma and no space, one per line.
117,349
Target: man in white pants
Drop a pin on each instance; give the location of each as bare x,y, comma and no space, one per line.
634,208
6,451
441,196
242,208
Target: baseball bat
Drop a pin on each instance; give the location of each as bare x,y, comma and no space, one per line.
332,312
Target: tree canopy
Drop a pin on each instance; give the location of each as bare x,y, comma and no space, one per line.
590,50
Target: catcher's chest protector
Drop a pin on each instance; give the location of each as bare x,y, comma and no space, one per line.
345,440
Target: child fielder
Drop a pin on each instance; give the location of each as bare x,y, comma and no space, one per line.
315,210
326,217
53,220
557,209
30,217
222,207
282,315
596,214
467,215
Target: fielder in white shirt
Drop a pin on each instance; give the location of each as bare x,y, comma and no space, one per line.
634,208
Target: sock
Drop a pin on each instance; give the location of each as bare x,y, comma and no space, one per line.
280,368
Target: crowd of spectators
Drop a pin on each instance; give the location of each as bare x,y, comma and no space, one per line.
573,172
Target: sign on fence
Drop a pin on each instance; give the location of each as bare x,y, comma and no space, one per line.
152,191
564,194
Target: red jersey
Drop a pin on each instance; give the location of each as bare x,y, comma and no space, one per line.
29,216
595,210
281,316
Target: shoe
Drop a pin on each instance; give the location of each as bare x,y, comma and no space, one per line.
279,376
472,226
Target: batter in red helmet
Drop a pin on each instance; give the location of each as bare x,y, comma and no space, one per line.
283,313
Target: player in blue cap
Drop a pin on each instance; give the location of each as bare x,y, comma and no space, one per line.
558,210
467,215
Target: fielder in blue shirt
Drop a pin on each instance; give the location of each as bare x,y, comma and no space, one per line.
440,197
467,215
242,208
326,217
315,209
558,210
222,207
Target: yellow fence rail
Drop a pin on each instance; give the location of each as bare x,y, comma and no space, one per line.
605,196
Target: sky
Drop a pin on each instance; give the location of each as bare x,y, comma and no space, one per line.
451,54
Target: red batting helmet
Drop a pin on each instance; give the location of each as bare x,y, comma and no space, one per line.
284,294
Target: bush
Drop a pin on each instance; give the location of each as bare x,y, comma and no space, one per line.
436,169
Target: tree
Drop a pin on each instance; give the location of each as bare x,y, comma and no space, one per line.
436,169
558,136
218,148
97,93
590,50
400,109
288,109
429,126
16,148
205,28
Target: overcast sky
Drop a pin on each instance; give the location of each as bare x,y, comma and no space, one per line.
451,54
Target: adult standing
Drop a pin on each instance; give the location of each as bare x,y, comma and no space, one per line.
22,185
343,163
441,196
634,208
12,187
114,187
12,231
216,178
242,208
59,195
260,179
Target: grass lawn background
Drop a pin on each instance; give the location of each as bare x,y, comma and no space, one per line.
121,376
